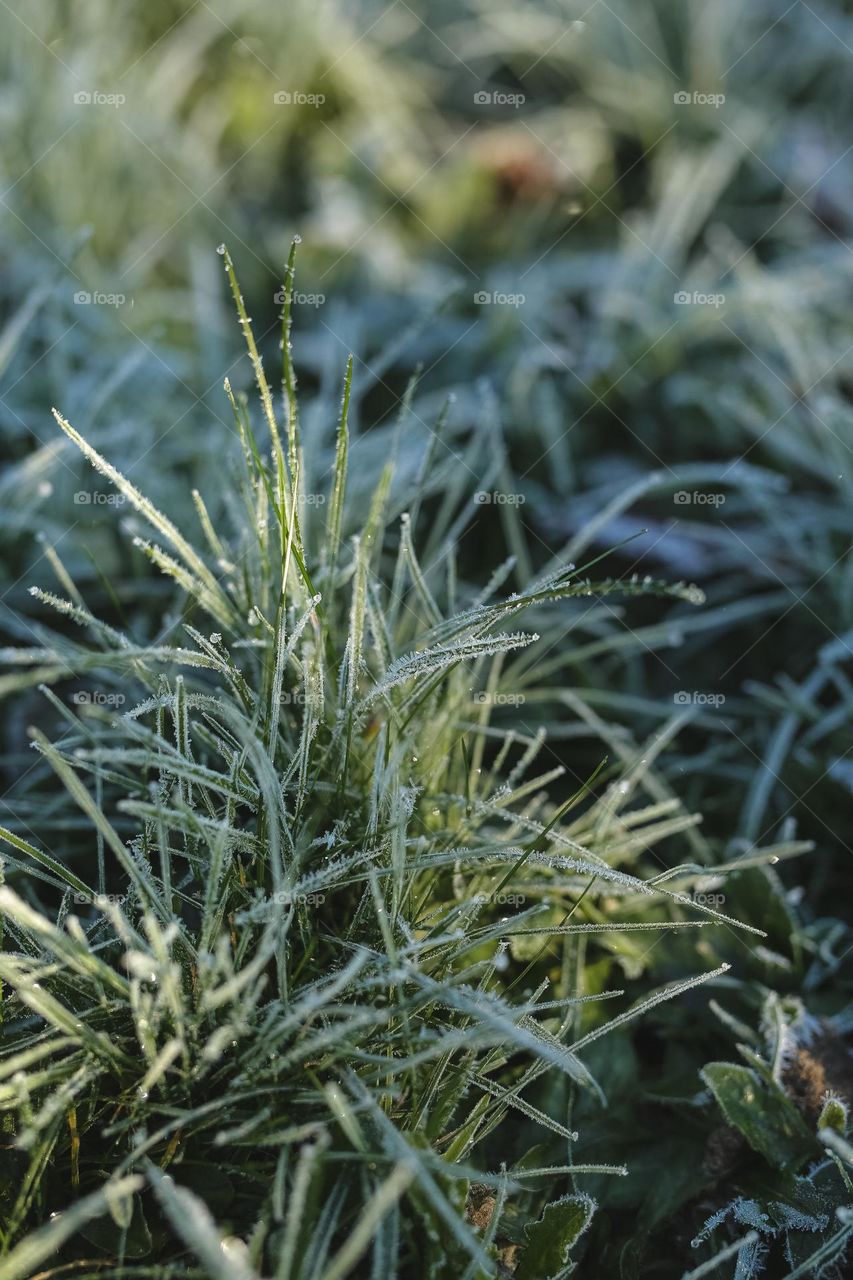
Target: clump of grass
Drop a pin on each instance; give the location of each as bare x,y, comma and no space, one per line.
298,1005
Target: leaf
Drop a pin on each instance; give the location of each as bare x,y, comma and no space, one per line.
550,1239
770,1123
132,1240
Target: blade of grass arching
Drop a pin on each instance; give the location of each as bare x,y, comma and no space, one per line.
66,581
555,1171
650,1002
45,860
440,658
659,635
106,636
150,513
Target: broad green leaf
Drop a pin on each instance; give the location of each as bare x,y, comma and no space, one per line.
119,1233
550,1239
767,1119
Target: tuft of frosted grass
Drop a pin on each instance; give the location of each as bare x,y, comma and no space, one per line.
299,968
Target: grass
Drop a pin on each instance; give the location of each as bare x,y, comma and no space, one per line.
340,938
598,199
